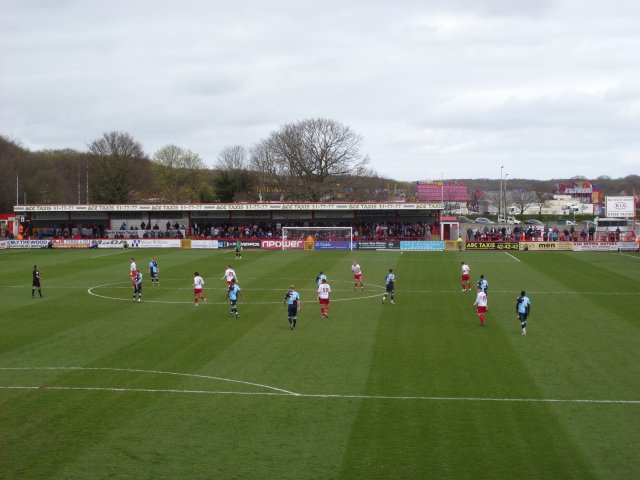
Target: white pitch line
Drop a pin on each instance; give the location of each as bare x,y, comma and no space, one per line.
108,254
517,259
155,372
631,256
179,302
326,396
279,391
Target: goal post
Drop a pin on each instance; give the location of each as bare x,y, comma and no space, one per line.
317,238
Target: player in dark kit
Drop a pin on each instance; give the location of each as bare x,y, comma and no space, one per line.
154,270
36,282
523,309
136,281
483,284
292,301
390,286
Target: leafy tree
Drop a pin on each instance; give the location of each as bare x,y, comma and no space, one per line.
11,155
179,171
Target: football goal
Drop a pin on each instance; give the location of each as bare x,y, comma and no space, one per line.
317,238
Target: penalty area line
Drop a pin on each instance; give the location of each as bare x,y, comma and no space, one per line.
516,259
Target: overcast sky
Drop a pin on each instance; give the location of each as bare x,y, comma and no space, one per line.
437,89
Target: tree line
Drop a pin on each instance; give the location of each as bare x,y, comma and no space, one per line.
309,160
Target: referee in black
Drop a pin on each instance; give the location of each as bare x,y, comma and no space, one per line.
36,282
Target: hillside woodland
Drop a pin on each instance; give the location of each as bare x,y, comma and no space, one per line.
116,169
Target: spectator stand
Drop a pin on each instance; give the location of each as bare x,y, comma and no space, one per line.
244,220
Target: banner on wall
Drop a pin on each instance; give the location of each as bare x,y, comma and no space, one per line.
595,246
28,243
377,245
492,246
547,246
70,243
208,244
276,244
422,245
245,243
619,207
332,245
155,243
629,246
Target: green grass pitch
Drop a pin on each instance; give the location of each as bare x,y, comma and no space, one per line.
93,385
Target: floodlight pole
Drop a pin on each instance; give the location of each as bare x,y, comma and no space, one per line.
500,200
504,197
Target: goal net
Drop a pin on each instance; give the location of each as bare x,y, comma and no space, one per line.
317,238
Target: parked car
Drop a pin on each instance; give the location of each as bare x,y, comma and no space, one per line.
509,220
534,222
483,220
562,221
463,219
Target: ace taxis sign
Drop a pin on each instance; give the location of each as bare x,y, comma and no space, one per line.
492,246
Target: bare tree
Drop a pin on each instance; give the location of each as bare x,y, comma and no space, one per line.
491,199
267,181
120,165
311,154
233,178
544,199
233,157
524,200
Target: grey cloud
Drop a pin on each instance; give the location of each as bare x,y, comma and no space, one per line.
432,86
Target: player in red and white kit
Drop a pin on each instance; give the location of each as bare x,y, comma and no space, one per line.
357,276
198,284
230,275
466,282
324,292
481,305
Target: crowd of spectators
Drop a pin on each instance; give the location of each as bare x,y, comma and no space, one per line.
545,234
361,231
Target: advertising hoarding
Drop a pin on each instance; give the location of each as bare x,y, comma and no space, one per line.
377,245
547,246
619,207
422,245
492,246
